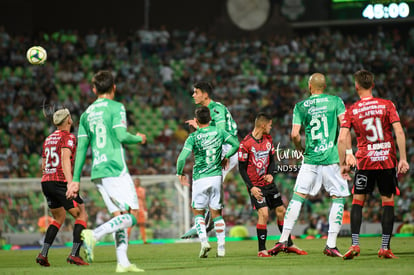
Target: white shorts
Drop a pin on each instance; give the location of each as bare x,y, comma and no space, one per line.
311,177
118,193
207,193
234,160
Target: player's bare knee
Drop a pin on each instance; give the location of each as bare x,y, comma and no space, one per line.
280,212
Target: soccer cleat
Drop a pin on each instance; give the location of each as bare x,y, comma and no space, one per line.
294,249
277,248
192,233
42,260
352,252
77,260
131,268
263,254
205,248
221,251
386,254
89,243
332,252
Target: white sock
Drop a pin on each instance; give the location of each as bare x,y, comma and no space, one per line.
114,224
220,228
200,224
335,221
121,246
292,214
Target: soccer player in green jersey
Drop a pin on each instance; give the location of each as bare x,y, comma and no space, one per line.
221,118
206,143
320,115
103,126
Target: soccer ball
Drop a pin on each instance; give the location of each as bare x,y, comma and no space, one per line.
36,55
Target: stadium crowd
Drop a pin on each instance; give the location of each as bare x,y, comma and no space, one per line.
154,72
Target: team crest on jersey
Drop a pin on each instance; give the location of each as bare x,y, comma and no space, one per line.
268,145
70,143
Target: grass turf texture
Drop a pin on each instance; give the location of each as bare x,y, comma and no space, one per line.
241,258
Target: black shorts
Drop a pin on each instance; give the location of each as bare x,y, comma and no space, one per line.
271,197
55,193
365,181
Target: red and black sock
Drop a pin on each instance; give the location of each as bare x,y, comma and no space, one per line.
261,236
387,222
50,236
77,242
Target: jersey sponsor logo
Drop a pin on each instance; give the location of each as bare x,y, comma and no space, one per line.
317,110
323,147
206,135
50,170
312,101
380,155
260,160
370,110
99,158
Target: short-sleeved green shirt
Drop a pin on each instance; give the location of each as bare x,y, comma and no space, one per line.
97,125
221,117
319,116
206,143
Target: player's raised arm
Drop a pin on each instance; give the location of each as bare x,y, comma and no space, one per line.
127,138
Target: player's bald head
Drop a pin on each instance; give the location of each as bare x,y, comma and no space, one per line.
317,82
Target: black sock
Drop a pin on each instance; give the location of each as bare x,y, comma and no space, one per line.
261,236
77,242
387,222
50,236
356,218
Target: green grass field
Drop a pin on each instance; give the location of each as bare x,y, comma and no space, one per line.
182,258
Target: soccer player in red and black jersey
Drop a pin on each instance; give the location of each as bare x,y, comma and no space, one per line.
373,120
256,166
58,157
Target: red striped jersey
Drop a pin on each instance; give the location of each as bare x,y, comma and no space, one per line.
372,118
52,154
257,153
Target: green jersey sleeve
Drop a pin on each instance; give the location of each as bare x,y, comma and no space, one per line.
297,117
340,106
83,143
222,118
185,153
233,141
